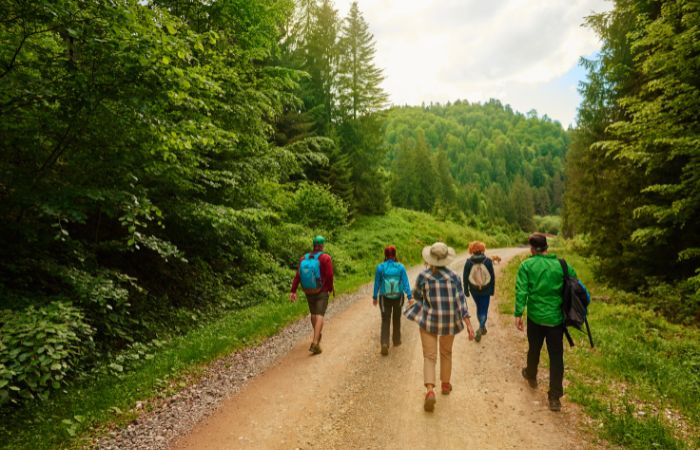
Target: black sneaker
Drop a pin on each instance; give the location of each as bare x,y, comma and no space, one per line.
554,404
531,381
385,350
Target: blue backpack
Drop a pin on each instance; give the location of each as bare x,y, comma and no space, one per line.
391,281
310,273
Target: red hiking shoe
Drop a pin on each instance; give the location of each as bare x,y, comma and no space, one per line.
429,403
446,388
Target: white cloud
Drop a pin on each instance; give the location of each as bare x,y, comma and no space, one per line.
508,49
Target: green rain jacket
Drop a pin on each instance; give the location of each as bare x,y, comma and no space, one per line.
538,288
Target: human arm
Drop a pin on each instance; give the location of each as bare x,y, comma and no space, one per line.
465,311
522,290
492,283
519,323
465,276
405,285
377,280
418,288
327,272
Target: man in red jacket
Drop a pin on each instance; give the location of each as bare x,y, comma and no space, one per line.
318,301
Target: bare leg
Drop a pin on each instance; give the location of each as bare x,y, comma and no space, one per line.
317,321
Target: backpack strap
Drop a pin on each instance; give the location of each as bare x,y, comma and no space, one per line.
565,269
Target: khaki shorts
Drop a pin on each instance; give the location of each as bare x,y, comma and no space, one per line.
318,303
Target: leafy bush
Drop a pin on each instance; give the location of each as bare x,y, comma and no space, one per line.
315,206
104,302
548,224
39,347
678,302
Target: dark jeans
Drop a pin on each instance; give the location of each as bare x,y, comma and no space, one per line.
536,335
482,308
391,312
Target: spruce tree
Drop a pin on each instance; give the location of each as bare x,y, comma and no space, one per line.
359,79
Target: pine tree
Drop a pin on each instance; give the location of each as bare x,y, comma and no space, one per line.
321,55
359,79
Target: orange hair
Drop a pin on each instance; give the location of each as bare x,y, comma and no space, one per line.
477,247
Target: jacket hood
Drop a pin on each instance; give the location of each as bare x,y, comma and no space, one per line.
478,258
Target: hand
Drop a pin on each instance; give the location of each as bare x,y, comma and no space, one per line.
374,301
519,323
470,329
293,297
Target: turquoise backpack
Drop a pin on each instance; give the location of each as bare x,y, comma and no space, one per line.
310,273
391,281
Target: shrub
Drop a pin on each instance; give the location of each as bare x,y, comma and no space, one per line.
39,348
315,206
548,224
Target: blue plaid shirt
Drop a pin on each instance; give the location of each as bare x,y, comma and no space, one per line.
440,307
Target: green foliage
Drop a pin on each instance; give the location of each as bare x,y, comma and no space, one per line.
39,349
496,166
138,165
359,80
548,224
107,395
633,166
342,96
316,207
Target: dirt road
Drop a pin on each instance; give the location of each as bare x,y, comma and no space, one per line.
352,397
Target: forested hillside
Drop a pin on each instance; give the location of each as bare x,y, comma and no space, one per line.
480,162
634,167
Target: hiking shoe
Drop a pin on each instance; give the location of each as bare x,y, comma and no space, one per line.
446,388
477,336
397,343
385,350
316,349
484,331
311,347
429,403
531,381
554,404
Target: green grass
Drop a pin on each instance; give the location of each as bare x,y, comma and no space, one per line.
361,247
84,410
642,381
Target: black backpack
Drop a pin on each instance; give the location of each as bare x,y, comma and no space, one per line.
574,305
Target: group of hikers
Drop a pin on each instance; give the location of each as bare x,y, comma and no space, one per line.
437,303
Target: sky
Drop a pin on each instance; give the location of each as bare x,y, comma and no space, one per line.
523,52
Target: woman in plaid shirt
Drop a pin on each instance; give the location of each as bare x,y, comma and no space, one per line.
440,309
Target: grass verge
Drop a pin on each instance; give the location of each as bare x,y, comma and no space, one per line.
84,410
641,383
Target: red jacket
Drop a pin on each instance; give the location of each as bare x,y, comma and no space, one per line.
326,273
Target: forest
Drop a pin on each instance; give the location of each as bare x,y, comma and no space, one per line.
482,164
164,162
633,167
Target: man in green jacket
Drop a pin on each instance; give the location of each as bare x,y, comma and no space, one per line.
538,287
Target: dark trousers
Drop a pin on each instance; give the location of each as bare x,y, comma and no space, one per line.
536,335
482,308
391,312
